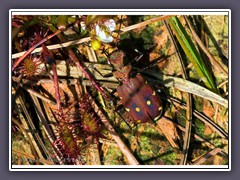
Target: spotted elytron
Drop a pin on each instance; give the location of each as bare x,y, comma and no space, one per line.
137,96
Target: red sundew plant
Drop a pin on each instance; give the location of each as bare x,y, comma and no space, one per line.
66,142
29,67
90,122
76,132
68,136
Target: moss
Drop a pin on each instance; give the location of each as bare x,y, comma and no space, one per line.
199,127
198,103
149,142
113,156
170,158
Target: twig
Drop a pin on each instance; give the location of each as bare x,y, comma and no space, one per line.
124,149
145,23
190,87
93,154
56,87
169,81
189,102
79,41
30,156
203,118
206,156
166,133
42,118
205,142
62,70
22,129
32,92
80,64
55,46
205,50
32,48
112,85
39,145
108,142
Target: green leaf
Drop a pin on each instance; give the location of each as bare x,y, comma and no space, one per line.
192,53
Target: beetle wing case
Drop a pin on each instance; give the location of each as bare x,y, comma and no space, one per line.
140,100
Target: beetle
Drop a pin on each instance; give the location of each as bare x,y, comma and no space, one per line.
136,94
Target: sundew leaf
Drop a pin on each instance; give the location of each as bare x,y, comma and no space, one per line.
192,53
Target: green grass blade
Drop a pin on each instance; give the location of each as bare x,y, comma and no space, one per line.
192,53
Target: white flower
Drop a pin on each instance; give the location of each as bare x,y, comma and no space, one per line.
104,31
110,24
